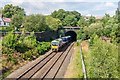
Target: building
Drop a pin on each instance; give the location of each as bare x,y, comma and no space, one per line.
4,21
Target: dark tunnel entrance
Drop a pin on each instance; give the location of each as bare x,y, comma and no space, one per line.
72,34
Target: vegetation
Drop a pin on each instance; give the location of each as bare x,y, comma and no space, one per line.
10,10
68,18
104,60
103,36
18,49
74,69
35,23
53,23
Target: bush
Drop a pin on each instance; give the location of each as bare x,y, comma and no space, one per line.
6,50
104,62
10,40
43,47
12,59
30,41
30,55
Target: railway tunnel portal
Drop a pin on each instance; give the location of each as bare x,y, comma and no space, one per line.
71,31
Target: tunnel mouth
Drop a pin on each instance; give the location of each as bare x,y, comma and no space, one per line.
72,34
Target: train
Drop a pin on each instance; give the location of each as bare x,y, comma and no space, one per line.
57,44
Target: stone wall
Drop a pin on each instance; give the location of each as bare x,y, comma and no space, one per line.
40,36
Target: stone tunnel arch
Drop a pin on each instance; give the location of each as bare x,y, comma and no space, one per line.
72,34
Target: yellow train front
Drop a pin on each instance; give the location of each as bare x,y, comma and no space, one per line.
55,45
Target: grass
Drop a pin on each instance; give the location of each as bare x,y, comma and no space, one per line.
86,55
74,69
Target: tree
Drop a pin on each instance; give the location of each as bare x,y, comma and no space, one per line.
82,22
75,13
17,21
65,15
70,20
10,10
105,19
53,23
91,20
118,15
60,14
35,23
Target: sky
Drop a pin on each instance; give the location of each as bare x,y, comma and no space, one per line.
46,7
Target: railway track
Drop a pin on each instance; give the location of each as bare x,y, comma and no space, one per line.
49,67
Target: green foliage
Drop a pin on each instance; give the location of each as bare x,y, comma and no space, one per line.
10,40
43,47
35,23
104,63
60,14
68,18
53,23
87,32
10,10
30,55
91,20
6,28
12,59
17,21
82,22
6,50
30,41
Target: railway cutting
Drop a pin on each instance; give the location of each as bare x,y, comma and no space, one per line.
53,65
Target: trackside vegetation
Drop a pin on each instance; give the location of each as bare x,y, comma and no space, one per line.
103,39
17,49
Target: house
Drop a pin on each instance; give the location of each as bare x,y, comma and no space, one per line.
4,21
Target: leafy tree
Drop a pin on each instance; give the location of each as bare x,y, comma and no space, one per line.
82,22
17,20
60,14
10,40
10,10
67,16
35,23
75,13
105,19
91,20
104,60
70,20
53,23
118,15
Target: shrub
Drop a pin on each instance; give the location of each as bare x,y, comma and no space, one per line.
12,59
10,40
30,41
43,47
6,50
30,55
104,62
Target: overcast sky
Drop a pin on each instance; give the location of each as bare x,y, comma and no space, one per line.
93,7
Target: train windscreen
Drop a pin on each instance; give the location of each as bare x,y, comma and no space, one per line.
55,43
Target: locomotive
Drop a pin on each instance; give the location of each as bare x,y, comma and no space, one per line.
60,42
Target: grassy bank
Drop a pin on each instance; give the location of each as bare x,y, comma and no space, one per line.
74,69
101,59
